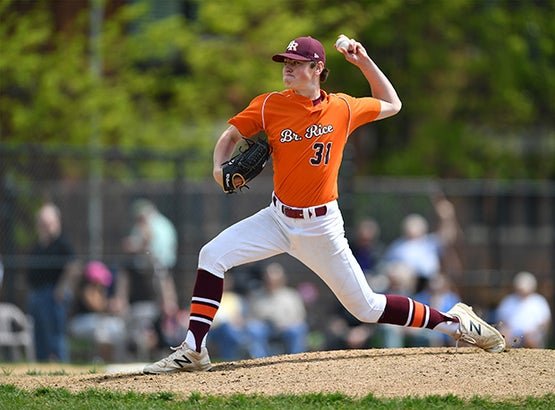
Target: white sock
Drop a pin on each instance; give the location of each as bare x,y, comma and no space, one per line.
190,340
449,328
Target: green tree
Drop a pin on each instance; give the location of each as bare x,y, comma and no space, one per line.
473,76
476,78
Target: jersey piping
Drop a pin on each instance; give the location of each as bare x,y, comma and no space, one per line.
307,140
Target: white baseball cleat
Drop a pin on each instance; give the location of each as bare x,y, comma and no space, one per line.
184,359
476,331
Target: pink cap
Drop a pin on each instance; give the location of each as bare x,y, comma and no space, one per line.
303,49
99,273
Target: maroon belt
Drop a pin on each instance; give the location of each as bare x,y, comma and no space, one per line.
299,213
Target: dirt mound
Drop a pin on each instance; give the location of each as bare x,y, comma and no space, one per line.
465,373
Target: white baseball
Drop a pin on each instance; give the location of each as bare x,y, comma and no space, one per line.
343,42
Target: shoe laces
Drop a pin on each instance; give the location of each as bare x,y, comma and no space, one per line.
170,357
465,337
176,348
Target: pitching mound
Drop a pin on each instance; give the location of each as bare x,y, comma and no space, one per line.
383,372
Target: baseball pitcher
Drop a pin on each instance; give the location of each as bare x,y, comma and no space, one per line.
307,130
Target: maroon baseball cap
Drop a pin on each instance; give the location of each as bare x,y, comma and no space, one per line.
303,49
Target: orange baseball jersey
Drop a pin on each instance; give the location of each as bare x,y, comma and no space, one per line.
307,140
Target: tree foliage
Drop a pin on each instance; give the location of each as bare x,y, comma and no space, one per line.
477,78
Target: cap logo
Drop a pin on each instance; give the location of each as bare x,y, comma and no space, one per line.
303,49
292,46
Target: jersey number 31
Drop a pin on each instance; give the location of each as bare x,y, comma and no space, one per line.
321,153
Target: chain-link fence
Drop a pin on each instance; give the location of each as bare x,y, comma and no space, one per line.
505,226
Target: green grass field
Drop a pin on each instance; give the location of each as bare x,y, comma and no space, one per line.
49,398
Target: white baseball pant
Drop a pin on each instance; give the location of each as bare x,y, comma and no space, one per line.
317,241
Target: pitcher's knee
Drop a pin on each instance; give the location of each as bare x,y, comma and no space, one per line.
368,316
209,260
370,310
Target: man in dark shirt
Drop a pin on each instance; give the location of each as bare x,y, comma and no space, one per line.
52,275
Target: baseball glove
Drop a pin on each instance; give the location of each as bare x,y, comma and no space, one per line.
246,165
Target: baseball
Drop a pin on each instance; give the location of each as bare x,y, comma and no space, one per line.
342,42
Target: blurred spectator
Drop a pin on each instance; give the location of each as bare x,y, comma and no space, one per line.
145,289
310,295
228,332
440,295
91,319
276,314
400,279
421,250
366,247
524,315
1,273
342,329
52,277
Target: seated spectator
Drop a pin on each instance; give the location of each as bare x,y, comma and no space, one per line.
91,319
344,331
400,279
145,294
228,333
420,249
276,313
366,246
524,315
440,295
